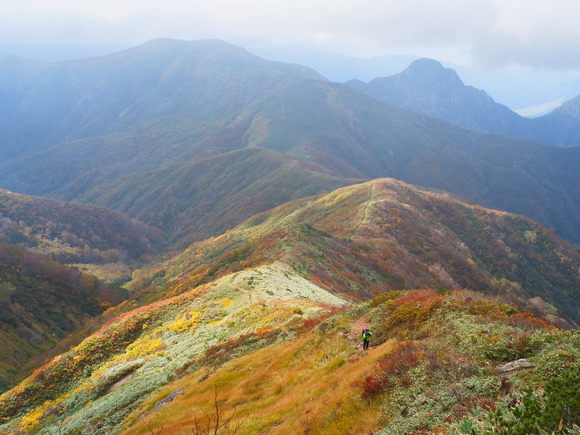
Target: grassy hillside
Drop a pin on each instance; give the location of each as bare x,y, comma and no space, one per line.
267,318
41,302
95,239
207,197
434,367
99,382
364,239
162,108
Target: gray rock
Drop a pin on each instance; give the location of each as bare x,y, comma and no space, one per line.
515,365
163,402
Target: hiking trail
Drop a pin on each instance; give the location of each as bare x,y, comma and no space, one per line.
356,327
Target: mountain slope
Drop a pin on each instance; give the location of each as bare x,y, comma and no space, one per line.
433,368
45,104
383,235
298,367
97,239
208,196
41,302
101,380
426,87
570,108
239,312
562,123
208,105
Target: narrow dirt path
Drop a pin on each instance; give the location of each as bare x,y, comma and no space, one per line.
356,328
365,213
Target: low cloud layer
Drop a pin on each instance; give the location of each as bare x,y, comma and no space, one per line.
538,33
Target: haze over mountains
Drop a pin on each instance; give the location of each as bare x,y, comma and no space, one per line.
428,88
105,126
517,87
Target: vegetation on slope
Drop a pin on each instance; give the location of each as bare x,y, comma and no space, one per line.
98,383
98,240
224,193
434,367
238,312
382,235
40,302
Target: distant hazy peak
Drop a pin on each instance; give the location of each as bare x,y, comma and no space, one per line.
214,50
570,108
179,46
432,69
357,84
182,43
424,64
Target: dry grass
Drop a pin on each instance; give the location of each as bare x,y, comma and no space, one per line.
305,386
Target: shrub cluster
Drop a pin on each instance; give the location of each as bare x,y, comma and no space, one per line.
394,366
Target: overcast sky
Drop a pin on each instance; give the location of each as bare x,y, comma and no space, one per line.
537,33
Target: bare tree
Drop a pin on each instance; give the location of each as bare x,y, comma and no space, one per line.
218,423
152,430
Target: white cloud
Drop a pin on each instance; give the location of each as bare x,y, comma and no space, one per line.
532,32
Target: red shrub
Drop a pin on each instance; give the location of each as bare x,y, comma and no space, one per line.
373,386
403,358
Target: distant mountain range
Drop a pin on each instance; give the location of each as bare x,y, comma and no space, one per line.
516,87
426,87
47,103
181,134
268,236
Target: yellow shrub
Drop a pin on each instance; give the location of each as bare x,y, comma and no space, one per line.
143,347
226,303
187,321
31,420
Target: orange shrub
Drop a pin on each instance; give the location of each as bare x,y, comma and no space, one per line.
411,312
528,320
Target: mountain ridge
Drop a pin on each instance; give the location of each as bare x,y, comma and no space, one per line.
288,291
336,130
98,240
428,88
397,236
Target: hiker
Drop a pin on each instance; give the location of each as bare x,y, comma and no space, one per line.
366,336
